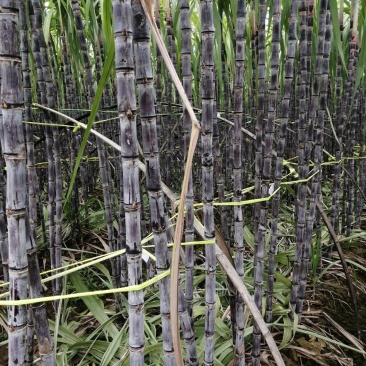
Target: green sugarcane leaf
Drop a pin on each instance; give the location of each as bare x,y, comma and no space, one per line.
97,333
331,124
225,352
354,236
65,334
98,95
106,7
304,330
47,23
280,277
287,332
336,31
93,305
361,63
102,268
222,329
248,237
112,348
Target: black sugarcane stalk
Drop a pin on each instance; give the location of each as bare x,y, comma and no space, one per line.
284,115
237,173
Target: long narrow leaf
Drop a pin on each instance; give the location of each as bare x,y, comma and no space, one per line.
93,305
98,95
336,30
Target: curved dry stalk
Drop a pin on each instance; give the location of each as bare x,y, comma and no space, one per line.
342,258
354,182
148,6
225,261
221,250
179,224
334,236
222,254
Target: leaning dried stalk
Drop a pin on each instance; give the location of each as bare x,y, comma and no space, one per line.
185,22
224,260
192,145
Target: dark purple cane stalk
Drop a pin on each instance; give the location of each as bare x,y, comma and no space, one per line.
42,67
37,316
102,155
13,149
259,248
144,80
185,23
207,95
4,244
339,127
237,172
126,101
351,130
316,115
284,114
303,167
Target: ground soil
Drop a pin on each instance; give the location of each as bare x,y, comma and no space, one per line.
331,295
